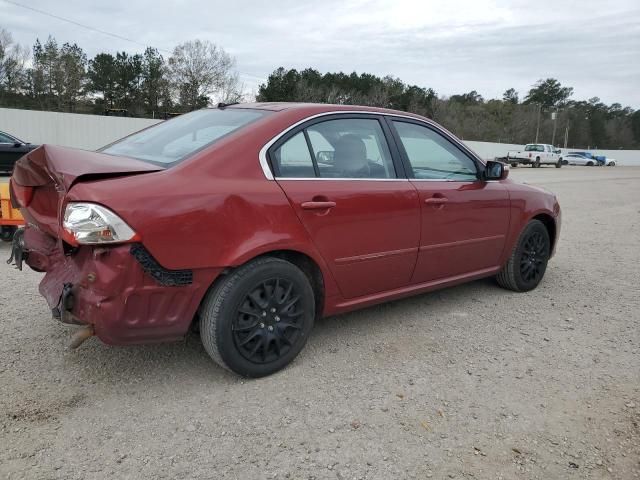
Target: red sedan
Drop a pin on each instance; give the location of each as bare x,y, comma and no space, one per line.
251,221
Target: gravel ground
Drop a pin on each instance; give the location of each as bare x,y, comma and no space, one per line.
469,382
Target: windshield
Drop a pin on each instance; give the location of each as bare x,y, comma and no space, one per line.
174,140
534,148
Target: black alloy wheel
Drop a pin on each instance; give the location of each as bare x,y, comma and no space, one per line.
267,322
527,263
256,319
534,256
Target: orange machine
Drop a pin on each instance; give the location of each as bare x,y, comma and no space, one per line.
10,218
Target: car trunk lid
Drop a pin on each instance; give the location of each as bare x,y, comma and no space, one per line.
42,178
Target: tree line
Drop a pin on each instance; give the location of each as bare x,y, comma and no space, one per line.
57,77
546,114
62,78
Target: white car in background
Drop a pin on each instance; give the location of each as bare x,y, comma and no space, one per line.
577,159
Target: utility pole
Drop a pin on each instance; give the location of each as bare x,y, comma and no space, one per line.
566,134
538,122
554,117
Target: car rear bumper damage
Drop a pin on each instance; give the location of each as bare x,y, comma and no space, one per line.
120,293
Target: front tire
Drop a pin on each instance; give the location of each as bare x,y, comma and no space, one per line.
528,260
257,319
537,163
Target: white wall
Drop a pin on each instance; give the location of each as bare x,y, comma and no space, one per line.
94,131
68,129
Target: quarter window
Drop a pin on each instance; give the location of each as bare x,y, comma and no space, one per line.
294,159
432,156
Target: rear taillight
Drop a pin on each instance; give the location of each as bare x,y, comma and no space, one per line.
92,224
21,196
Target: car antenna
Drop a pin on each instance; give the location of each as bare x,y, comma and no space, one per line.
223,105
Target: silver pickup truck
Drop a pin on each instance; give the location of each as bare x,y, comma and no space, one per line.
535,154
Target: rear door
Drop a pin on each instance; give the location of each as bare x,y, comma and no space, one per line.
340,176
464,219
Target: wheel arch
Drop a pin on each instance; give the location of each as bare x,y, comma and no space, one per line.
550,224
303,261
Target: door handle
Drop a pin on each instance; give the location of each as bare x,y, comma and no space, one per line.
436,200
317,205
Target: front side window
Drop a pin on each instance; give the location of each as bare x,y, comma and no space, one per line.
339,148
432,156
174,140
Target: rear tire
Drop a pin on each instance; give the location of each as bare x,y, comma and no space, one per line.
528,261
559,164
257,319
589,164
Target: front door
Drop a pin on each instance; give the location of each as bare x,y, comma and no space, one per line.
341,180
464,219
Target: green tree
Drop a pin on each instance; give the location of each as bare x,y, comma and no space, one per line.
102,78
154,88
71,75
128,76
548,93
510,96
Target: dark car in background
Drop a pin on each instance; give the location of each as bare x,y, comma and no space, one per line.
11,149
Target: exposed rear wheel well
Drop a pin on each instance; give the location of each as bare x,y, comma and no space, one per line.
550,225
304,263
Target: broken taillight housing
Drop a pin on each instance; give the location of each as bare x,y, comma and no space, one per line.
91,224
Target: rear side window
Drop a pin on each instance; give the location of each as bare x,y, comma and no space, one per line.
175,140
338,148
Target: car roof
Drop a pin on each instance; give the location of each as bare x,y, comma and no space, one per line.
313,108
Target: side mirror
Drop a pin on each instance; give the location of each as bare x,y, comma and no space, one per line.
496,170
17,145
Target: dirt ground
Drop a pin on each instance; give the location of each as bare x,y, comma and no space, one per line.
470,382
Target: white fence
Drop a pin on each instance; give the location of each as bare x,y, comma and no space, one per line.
68,129
94,131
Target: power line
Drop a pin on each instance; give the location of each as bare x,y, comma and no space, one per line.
114,35
104,32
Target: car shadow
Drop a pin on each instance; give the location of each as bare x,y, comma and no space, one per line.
166,363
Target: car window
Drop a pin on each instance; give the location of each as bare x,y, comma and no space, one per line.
169,142
351,148
432,156
6,138
293,158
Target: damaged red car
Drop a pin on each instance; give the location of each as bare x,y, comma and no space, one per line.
252,221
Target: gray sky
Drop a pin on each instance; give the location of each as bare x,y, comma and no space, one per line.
452,46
